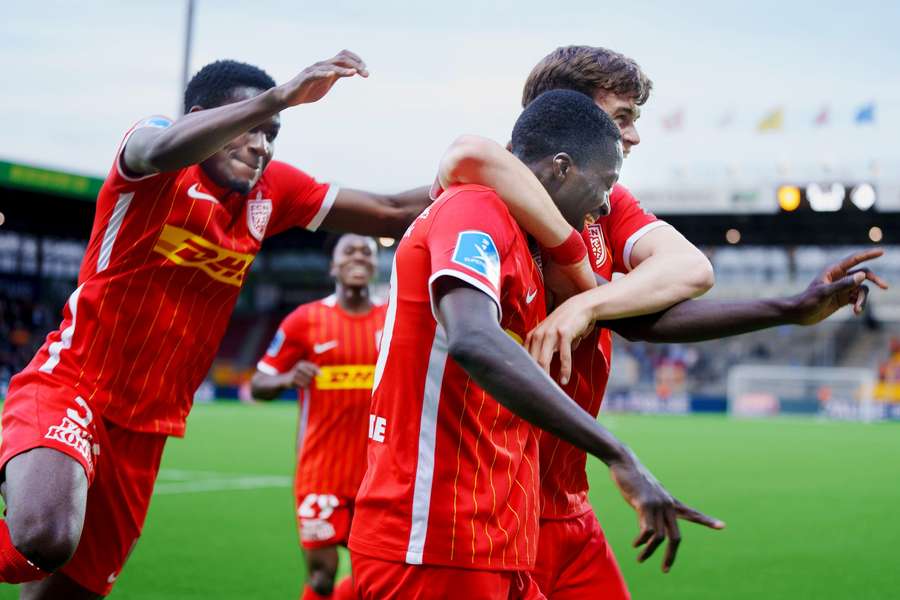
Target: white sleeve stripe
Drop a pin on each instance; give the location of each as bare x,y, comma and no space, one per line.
629,245
267,368
120,155
112,230
468,279
327,203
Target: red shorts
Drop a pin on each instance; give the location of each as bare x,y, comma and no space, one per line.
121,466
323,520
574,561
376,579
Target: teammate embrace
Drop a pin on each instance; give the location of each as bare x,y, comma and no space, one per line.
456,485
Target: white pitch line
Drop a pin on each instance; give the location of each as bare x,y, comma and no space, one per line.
216,482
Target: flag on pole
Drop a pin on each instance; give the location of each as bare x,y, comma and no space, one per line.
865,114
673,121
773,121
821,118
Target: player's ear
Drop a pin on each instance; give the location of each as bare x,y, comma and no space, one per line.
195,108
562,162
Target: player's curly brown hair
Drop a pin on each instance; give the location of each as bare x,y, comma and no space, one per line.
587,69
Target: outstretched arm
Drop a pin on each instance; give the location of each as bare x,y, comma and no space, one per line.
839,284
503,368
198,135
367,213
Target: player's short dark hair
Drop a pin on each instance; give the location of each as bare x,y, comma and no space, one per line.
589,70
213,84
564,121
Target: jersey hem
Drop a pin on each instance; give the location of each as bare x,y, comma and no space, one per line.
383,552
567,515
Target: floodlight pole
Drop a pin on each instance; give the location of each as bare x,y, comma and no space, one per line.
188,38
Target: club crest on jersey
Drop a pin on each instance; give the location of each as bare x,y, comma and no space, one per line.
597,246
258,212
476,251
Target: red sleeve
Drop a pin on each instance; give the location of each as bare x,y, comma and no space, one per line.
117,174
469,238
299,200
288,346
626,224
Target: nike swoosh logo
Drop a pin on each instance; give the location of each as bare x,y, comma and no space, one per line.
194,192
530,296
324,346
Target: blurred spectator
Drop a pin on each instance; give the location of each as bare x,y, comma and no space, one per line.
23,325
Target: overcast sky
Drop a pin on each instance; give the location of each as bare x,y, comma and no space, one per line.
77,74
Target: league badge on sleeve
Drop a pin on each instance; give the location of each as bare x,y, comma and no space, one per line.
258,212
476,251
277,342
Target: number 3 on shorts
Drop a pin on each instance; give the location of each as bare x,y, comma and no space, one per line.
324,503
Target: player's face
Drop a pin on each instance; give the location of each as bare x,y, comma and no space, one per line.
586,190
240,164
353,262
625,112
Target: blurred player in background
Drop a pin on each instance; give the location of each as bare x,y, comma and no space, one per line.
574,560
327,351
449,505
179,220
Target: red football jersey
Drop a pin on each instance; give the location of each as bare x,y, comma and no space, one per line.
452,476
165,262
609,240
334,410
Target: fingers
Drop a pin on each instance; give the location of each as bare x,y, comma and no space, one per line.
871,277
548,349
350,60
848,262
859,299
565,360
674,534
658,537
644,536
695,516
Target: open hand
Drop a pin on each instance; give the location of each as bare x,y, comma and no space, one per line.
560,332
658,511
838,285
316,80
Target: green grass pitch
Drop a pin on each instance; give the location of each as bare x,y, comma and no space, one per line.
812,509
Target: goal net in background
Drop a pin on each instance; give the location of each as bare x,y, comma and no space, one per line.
835,392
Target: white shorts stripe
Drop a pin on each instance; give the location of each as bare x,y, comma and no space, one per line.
112,229
65,338
427,439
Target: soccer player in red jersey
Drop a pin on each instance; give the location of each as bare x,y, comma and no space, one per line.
327,351
450,499
178,222
574,559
